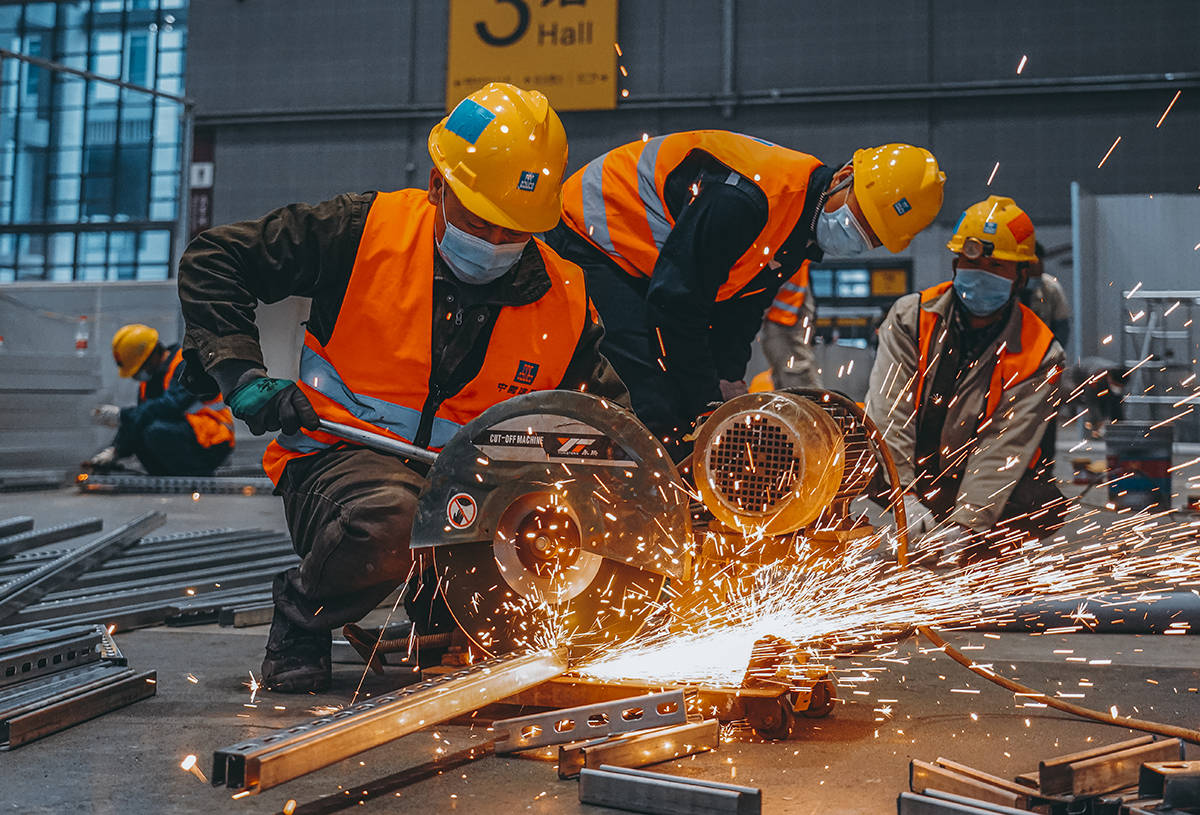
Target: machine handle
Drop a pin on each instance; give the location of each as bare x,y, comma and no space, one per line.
376,441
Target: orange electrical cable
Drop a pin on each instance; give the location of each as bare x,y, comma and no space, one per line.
1168,730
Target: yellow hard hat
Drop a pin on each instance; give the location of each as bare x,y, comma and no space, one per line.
131,347
899,188
503,151
996,227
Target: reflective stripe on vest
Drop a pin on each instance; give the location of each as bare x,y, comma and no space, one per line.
789,300
1011,368
374,372
617,201
211,421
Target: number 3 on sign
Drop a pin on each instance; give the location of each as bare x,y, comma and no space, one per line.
563,48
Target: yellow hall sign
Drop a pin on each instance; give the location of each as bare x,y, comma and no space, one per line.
563,48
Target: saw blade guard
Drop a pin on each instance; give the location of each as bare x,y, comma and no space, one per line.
593,458
554,516
769,462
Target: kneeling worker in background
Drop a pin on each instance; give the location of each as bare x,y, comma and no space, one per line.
963,388
170,430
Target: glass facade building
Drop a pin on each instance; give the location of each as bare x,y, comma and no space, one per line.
89,171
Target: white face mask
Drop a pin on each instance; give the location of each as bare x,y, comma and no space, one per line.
474,260
839,233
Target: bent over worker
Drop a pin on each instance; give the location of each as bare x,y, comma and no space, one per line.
170,430
963,387
685,238
428,307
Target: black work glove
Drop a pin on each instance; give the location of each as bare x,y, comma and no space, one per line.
273,404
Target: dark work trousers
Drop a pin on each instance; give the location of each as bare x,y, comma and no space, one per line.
350,512
628,342
170,448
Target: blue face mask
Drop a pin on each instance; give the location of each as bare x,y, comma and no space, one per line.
473,259
982,292
839,234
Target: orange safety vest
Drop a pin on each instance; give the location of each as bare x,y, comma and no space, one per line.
1012,367
616,202
374,373
789,300
211,421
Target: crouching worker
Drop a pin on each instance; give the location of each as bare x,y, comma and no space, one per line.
963,388
169,430
428,307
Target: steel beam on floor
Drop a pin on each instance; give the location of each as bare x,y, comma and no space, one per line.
176,591
53,652
123,688
28,589
243,616
173,485
643,791
34,538
192,570
154,547
11,526
205,610
270,760
12,481
230,561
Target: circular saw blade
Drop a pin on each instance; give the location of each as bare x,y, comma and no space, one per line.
553,518
610,606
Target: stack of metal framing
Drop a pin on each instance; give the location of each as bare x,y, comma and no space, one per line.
52,680
180,579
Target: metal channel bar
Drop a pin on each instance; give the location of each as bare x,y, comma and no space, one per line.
641,791
11,526
231,551
247,614
174,591
590,721
201,611
270,760
28,696
138,614
52,534
53,654
26,590
138,553
173,485
193,569
124,690
181,566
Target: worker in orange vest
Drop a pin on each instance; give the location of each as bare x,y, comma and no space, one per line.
963,388
428,307
685,238
169,430
787,332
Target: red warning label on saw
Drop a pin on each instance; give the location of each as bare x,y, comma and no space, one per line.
461,510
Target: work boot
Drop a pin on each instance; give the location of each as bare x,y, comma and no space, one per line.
297,659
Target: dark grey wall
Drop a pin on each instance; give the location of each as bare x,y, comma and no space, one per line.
313,97
310,98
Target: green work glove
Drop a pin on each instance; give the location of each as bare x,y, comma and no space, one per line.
272,404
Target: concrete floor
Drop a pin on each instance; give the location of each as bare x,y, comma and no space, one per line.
855,761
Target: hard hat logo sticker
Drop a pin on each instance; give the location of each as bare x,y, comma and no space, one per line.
461,510
902,206
528,180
